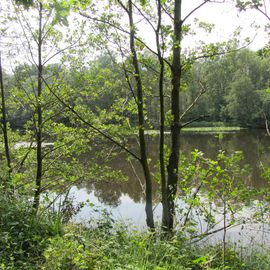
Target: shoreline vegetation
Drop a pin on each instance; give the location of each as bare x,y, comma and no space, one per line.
200,129
50,240
212,129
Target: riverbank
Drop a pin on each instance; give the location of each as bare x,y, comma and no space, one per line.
48,241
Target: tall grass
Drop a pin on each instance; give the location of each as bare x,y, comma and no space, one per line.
42,241
24,234
114,246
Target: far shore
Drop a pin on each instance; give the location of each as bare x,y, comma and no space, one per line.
198,129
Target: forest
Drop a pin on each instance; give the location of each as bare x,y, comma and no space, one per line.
235,90
126,145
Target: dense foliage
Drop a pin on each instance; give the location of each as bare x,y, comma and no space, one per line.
82,86
23,234
45,242
237,91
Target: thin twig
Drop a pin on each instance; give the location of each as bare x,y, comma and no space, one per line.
203,90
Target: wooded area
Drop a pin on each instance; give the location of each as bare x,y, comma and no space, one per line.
79,77
235,91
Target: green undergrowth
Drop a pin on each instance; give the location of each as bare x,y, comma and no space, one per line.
44,241
211,129
117,248
24,234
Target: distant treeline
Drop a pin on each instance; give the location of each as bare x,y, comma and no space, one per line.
233,89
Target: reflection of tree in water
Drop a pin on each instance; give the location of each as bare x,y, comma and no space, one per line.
254,144
110,192
251,143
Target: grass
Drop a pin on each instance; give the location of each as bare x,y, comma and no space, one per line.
24,235
40,242
115,247
199,129
211,129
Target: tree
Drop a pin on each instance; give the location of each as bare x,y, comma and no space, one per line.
219,75
4,124
166,37
242,100
173,65
141,119
30,91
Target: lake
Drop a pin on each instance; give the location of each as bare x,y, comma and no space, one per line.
125,199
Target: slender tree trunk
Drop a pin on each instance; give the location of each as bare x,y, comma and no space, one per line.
141,120
4,123
162,168
224,233
39,115
172,167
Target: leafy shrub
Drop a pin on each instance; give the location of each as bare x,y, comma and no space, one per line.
23,233
110,245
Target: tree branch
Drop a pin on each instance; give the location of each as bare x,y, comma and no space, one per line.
97,130
194,101
194,10
124,31
193,120
263,12
222,53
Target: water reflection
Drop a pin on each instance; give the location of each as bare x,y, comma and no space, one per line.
254,144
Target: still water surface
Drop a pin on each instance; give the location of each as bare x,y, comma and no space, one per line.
125,200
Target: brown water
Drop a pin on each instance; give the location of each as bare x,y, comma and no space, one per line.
254,144
125,200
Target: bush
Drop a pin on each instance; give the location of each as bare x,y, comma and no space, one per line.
116,247
23,233
95,248
40,241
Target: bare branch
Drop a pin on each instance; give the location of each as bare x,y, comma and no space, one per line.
167,12
62,50
21,163
124,31
192,202
125,70
194,10
263,12
203,90
142,14
28,25
123,6
194,120
58,147
224,52
201,236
